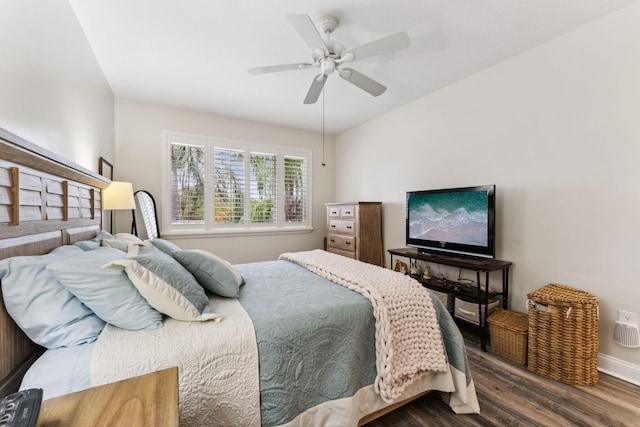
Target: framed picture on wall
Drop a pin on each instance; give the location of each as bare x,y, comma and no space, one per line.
105,168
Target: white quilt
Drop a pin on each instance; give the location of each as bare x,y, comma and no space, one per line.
218,364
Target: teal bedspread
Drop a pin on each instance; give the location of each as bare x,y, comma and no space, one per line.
316,339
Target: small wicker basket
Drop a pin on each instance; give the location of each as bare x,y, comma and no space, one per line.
563,334
508,332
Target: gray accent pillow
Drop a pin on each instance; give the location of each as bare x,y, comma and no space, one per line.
166,284
165,245
212,272
109,293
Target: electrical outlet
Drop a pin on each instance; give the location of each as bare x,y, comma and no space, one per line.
628,317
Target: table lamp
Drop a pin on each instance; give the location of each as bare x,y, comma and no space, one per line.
118,196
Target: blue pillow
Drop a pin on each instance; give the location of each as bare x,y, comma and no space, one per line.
166,284
212,272
110,294
45,310
89,245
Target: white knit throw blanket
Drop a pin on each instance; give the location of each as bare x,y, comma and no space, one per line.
408,339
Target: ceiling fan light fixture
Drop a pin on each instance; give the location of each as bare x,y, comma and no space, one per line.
327,66
347,57
345,74
330,56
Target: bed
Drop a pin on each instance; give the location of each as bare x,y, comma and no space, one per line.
298,341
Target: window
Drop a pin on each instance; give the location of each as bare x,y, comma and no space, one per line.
219,185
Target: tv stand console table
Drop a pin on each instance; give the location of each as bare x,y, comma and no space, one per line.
478,293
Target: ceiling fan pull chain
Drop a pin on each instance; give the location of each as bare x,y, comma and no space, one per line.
323,163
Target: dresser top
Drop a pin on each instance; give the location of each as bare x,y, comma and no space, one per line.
351,203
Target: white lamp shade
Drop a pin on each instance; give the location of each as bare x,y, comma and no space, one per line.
118,195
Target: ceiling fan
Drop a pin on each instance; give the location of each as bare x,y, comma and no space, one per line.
330,56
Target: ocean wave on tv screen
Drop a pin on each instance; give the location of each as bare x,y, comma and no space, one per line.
457,226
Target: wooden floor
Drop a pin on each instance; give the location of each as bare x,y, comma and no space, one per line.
510,395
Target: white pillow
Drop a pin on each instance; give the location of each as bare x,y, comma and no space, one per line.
122,241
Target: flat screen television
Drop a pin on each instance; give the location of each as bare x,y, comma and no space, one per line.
452,221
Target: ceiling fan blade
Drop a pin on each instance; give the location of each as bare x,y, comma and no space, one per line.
378,47
316,88
283,67
363,82
304,26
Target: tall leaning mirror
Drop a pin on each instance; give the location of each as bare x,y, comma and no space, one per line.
145,216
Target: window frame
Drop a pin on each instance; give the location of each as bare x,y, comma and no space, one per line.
281,226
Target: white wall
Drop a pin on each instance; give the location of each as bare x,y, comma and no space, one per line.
139,145
52,90
557,129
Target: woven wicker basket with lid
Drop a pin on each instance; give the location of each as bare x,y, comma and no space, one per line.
508,331
563,334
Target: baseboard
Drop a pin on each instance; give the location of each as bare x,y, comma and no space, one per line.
619,368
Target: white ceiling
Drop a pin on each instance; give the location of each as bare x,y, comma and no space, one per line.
195,54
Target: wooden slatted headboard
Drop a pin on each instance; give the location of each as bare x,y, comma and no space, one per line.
45,201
